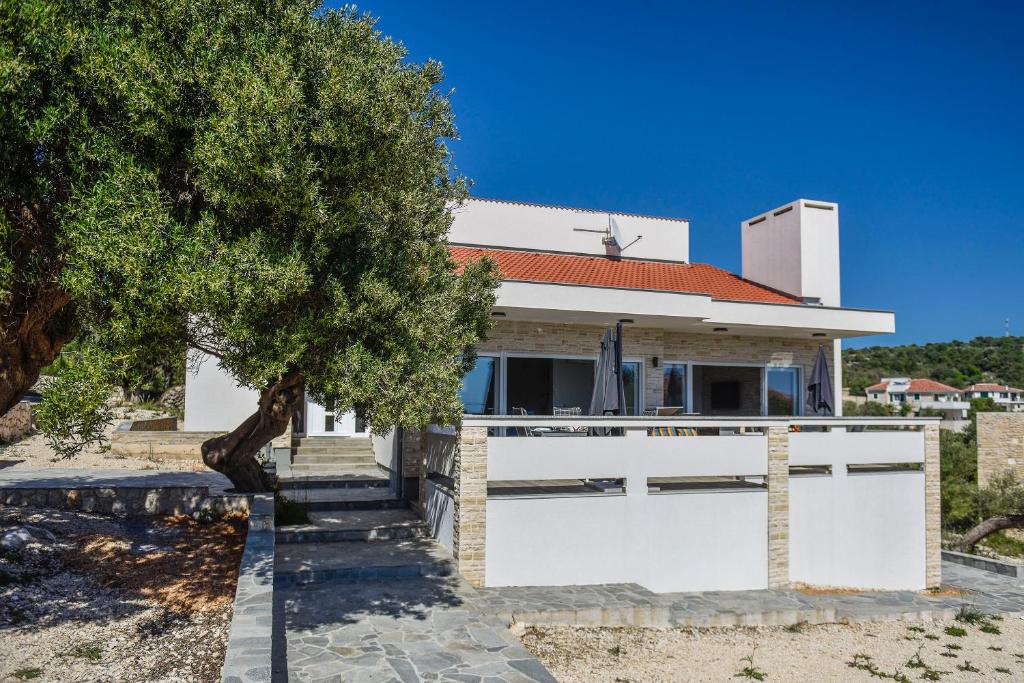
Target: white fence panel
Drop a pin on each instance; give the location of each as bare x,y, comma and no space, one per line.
511,458
665,542
860,530
855,448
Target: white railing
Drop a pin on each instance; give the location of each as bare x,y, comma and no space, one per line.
849,525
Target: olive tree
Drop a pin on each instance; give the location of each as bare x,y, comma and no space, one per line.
269,184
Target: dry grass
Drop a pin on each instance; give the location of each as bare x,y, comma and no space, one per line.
196,572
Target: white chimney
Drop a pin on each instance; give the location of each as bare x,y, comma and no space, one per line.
795,249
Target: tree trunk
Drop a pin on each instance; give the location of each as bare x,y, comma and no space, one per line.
234,454
30,340
988,527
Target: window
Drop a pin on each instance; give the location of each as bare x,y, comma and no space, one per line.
917,397
479,387
631,383
984,394
674,385
783,391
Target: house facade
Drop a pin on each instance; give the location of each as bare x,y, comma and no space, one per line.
920,394
1004,395
716,478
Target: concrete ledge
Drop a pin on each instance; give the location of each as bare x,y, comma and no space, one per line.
250,640
359,574
158,439
1015,569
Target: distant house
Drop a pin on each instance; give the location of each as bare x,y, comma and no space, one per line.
920,394
1004,395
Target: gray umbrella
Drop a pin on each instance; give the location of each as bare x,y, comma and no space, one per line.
820,395
605,399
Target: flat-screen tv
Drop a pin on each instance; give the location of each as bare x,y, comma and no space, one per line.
725,395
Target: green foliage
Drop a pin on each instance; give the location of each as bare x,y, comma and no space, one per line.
868,409
76,407
272,186
288,511
1004,495
959,469
1003,544
957,363
28,673
954,631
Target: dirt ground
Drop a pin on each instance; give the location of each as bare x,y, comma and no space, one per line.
117,600
33,451
894,650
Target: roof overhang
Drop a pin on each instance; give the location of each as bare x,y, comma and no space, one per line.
696,313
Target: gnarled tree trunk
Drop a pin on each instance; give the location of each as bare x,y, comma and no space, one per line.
234,454
37,317
988,527
30,340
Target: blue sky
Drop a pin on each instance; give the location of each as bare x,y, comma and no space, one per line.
911,116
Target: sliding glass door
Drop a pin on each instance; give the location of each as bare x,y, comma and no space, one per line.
783,391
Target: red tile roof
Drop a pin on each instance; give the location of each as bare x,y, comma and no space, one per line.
599,271
920,386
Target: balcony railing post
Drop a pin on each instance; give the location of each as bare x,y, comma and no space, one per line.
932,507
470,504
778,506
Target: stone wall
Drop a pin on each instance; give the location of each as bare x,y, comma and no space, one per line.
932,507
1000,445
158,445
470,529
647,343
778,507
128,501
250,641
17,422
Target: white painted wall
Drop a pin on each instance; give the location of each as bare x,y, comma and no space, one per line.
548,228
385,450
795,249
439,514
672,541
861,530
665,542
213,400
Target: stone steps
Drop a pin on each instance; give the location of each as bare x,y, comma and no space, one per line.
346,480
300,563
332,499
324,470
334,459
355,525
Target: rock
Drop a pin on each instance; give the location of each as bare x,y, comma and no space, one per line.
18,537
173,398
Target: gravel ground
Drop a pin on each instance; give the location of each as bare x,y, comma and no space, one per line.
33,452
809,653
114,600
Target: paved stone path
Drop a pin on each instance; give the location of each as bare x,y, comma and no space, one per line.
91,477
421,628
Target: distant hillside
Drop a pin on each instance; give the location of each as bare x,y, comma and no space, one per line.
983,359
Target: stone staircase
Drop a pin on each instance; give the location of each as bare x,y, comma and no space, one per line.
332,455
348,508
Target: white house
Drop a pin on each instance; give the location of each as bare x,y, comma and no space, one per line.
1004,395
920,394
714,479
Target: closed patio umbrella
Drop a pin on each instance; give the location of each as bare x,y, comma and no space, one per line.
607,398
820,395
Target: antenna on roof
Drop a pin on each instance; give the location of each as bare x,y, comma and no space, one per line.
1006,327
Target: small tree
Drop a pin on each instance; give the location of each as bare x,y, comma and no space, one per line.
272,188
333,192
1000,506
